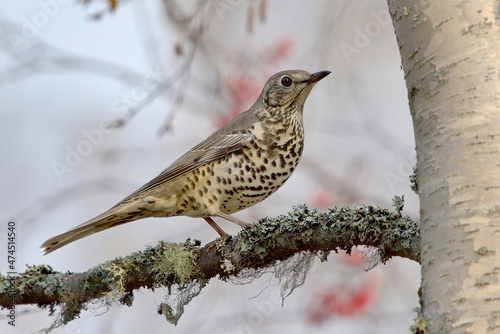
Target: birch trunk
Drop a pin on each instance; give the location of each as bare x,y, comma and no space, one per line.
450,56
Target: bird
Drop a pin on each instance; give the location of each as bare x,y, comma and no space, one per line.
239,165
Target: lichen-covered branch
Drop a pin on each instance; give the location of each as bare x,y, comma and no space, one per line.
190,266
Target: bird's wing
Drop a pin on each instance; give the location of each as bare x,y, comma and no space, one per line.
230,138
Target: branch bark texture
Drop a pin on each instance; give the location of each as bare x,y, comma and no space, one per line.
178,265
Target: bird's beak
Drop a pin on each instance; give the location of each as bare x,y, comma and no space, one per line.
315,77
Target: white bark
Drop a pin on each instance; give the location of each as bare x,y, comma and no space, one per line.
450,54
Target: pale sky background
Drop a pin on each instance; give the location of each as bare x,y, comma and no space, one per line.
71,73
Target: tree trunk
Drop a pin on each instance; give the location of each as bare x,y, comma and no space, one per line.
450,55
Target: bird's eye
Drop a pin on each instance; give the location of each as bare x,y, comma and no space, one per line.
286,81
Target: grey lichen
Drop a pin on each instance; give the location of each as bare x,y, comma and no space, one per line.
292,273
345,227
414,180
178,297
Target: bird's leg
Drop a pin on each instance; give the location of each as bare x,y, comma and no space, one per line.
216,227
235,220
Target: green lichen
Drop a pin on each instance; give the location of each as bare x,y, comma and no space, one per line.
420,324
483,251
176,264
485,23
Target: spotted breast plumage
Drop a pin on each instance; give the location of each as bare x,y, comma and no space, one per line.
239,165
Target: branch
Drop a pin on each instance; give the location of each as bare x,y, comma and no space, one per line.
188,266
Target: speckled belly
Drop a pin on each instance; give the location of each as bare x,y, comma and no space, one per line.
237,181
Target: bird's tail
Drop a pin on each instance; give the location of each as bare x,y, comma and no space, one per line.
111,218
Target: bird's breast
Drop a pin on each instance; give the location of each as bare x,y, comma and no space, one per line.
262,166
245,177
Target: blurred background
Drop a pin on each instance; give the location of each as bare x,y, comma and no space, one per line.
95,102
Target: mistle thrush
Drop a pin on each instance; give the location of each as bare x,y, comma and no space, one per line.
239,165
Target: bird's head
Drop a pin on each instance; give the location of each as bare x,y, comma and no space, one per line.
290,88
